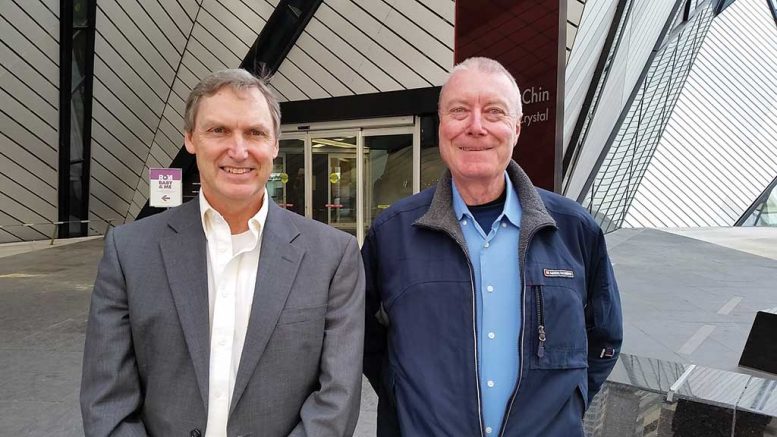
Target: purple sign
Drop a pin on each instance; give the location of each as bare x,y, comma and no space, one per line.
173,174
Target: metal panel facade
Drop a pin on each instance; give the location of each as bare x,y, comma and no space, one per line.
719,149
29,90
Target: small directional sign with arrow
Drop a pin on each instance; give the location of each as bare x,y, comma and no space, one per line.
165,186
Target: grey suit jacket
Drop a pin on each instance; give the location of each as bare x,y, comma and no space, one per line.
146,357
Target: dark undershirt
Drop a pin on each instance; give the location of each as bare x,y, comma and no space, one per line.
487,213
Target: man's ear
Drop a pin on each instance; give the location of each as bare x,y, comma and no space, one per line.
276,149
187,140
517,131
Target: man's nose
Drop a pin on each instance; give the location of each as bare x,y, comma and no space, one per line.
238,150
476,123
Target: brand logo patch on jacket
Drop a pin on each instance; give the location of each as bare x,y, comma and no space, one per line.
558,273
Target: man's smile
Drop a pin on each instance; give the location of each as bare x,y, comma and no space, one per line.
474,148
237,170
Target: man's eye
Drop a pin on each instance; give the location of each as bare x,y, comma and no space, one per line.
257,133
217,130
495,111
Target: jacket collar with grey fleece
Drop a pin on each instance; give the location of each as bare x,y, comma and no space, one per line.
441,216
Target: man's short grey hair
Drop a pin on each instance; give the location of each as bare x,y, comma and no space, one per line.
238,79
487,65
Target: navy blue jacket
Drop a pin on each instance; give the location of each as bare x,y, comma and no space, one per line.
420,344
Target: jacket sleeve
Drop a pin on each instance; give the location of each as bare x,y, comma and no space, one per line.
333,409
604,322
111,396
375,332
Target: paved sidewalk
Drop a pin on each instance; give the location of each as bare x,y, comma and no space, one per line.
688,298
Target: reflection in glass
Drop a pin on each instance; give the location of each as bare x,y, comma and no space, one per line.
80,49
388,172
77,124
432,166
287,180
334,182
80,13
765,213
75,193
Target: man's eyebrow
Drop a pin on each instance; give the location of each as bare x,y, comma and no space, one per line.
498,101
455,102
211,122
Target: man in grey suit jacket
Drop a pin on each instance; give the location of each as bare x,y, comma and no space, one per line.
227,315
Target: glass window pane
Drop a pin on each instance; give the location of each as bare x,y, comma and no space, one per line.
388,172
287,181
77,125
79,57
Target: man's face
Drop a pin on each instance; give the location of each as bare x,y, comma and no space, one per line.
478,125
235,145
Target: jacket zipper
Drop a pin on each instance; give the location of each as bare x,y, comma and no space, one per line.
475,339
540,321
523,331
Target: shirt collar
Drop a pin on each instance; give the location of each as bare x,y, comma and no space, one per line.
210,217
459,207
512,208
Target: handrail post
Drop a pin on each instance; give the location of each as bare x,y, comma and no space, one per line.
53,234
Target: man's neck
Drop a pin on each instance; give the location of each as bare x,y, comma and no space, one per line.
480,192
237,218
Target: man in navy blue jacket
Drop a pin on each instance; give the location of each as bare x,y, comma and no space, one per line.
492,309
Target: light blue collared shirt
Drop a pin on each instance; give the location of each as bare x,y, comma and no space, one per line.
494,258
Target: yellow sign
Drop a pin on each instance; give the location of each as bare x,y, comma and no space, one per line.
334,178
284,178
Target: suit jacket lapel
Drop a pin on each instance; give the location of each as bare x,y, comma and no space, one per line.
185,256
278,265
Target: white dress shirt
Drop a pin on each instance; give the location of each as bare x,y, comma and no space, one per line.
232,265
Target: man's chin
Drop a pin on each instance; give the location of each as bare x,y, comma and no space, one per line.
236,197
478,175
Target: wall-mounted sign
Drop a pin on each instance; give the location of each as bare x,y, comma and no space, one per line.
528,37
165,186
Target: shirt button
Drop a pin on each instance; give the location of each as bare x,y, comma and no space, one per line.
488,430
490,288
504,225
490,383
486,245
221,249
222,341
491,335
464,222
219,395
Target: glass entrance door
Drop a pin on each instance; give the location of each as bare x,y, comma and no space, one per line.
334,181
345,178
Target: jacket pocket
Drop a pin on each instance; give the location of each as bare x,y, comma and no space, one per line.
582,390
298,315
557,329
